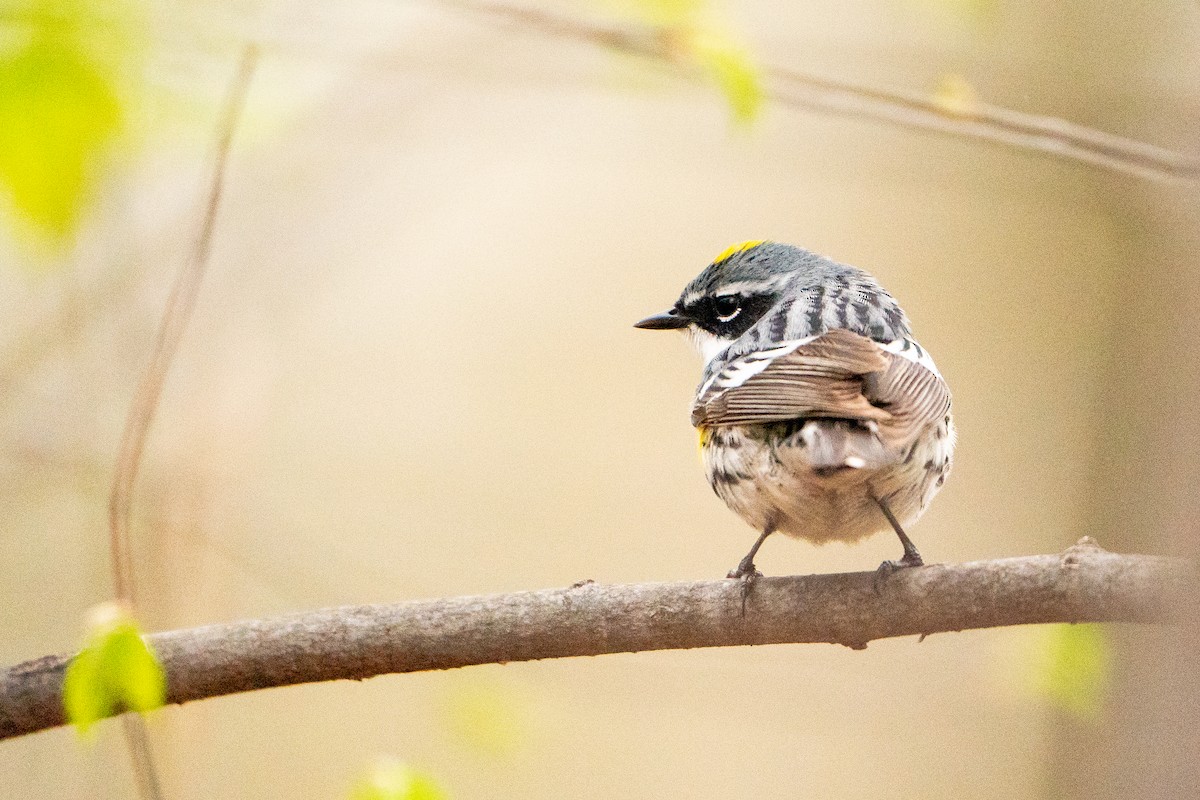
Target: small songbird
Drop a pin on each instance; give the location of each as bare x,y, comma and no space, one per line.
819,415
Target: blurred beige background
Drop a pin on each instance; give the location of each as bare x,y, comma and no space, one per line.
412,373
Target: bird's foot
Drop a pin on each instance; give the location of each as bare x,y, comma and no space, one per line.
745,570
912,559
747,574
909,560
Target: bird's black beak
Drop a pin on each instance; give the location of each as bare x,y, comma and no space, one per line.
666,321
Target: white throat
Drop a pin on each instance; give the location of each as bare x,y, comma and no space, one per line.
709,346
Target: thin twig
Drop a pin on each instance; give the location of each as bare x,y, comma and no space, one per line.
180,305
1050,135
179,308
144,765
1084,584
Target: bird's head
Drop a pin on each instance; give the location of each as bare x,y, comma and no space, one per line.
732,294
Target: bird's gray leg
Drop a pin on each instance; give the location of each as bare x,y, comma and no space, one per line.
911,558
745,568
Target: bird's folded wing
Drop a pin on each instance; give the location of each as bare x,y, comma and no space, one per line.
838,374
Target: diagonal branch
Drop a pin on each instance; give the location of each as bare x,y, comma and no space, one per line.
971,119
1084,584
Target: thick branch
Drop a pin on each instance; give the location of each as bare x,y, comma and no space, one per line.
1085,584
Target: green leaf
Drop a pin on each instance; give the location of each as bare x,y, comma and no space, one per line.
487,716
84,698
974,12
663,13
393,780
115,672
733,71
1076,668
58,113
956,96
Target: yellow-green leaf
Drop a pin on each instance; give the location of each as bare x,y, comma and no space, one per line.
1075,668
662,13
730,67
84,697
58,113
393,780
977,14
115,672
488,717
956,96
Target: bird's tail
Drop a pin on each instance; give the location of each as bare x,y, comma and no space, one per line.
834,445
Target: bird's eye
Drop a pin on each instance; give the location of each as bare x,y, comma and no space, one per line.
727,307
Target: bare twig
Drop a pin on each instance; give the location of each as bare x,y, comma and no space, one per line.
145,769
1084,584
179,308
180,305
1050,135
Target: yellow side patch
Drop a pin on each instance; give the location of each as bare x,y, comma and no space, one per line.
733,250
705,435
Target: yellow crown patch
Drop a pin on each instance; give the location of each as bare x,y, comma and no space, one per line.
733,250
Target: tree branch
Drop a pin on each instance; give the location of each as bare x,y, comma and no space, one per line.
1083,584
1053,136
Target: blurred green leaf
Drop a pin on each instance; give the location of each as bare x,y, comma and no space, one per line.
973,12
115,672
693,36
731,68
59,111
956,96
393,780
663,13
1075,668
488,717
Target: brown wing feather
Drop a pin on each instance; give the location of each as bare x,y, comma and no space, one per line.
823,378
915,397
839,375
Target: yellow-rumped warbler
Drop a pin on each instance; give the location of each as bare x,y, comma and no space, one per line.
819,415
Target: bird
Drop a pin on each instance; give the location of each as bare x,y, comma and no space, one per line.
819,415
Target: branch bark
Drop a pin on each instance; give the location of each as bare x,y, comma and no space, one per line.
1083,584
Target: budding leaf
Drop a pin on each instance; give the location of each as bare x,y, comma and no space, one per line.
730,67
1076,668
663,13
392,780
956,96
487,717
57,113
115,672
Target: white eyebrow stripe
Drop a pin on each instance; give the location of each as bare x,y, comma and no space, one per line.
739,287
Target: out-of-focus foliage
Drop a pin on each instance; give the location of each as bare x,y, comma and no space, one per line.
730,67
1074,668
664,13
487,717
115,672
393,780
61,107
956,96
700,39
976,12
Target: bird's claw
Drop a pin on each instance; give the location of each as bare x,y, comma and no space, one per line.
747,574
888,567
